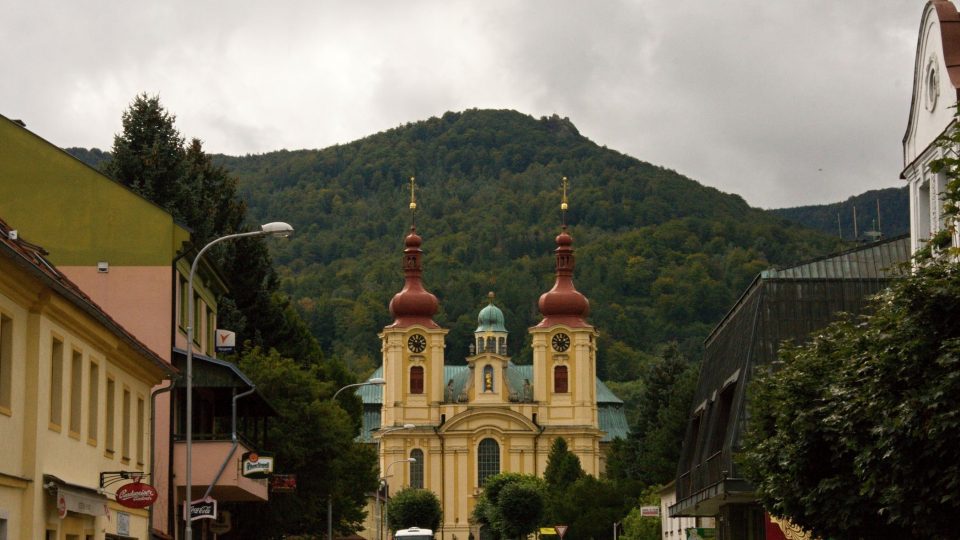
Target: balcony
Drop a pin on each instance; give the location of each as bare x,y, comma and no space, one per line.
208,456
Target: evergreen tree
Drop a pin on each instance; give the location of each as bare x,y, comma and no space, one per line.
563,466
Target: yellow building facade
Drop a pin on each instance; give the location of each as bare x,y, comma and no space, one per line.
74,403
448,427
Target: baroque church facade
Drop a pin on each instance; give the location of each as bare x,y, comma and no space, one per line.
461,423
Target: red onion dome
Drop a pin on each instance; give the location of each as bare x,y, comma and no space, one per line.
413,304
564,304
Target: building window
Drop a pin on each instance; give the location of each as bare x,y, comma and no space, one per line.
56,383
560,380
502,346
76,386
416,380
141,410
197,319
492,344
111,415
6,362
93,403
488,378
416,468
125,428
488,460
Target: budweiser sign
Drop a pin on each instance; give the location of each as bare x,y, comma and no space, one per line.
136,495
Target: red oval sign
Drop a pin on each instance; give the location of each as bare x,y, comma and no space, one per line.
137,495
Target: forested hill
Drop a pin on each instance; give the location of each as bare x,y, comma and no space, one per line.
660,257
893,218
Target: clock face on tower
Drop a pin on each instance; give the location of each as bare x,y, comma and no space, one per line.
561,342
417,343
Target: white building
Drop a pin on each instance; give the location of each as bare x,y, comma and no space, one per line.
936,80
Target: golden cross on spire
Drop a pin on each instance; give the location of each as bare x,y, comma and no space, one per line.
563,202
413,200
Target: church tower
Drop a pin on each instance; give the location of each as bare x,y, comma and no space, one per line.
413,345
564,351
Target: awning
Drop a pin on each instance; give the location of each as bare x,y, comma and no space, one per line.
74,498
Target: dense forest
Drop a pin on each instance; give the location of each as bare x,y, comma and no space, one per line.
885,211
660,256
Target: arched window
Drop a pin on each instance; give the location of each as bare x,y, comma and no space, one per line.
416,468
491,344
416,380
488,378
488,460
560,379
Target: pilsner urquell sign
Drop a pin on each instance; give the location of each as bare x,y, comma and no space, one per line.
136,495
257,465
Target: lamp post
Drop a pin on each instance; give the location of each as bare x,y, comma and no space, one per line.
386,473
380,507
276,228
376,381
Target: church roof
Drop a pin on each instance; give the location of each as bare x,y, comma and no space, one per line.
490,319
612,419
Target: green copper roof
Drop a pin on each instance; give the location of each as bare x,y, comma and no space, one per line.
610,412
490,319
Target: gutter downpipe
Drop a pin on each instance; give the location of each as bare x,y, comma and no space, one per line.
153,442
443,469
233,437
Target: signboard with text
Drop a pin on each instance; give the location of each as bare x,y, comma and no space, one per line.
136,495
256,465
225,341
205,508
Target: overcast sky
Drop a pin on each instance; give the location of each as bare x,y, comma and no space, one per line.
782,102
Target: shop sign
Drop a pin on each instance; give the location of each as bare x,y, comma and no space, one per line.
649,511
81,503
205,508
283,483
226,341
256,465
136,495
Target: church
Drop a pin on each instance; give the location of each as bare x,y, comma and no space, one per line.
446,426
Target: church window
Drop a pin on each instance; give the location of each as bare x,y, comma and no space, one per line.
488,460
480,345
502,346
492,344
416,468
488,378
416,380
560,380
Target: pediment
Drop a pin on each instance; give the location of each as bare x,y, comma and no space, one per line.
499,419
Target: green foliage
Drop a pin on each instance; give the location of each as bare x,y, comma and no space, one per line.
312,438
894,218
637,527
412,507
563,466
660,257
657,422
855,434
590,506
511,505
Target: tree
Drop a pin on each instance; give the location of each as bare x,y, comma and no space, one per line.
412,507
590,507
148,155
312,437
855,434
511,505
563,466
638,527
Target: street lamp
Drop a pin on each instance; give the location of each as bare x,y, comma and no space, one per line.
380,479
375,381
276,228
386,474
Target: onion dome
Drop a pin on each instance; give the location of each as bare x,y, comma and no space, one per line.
563,304
490,318
413,304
